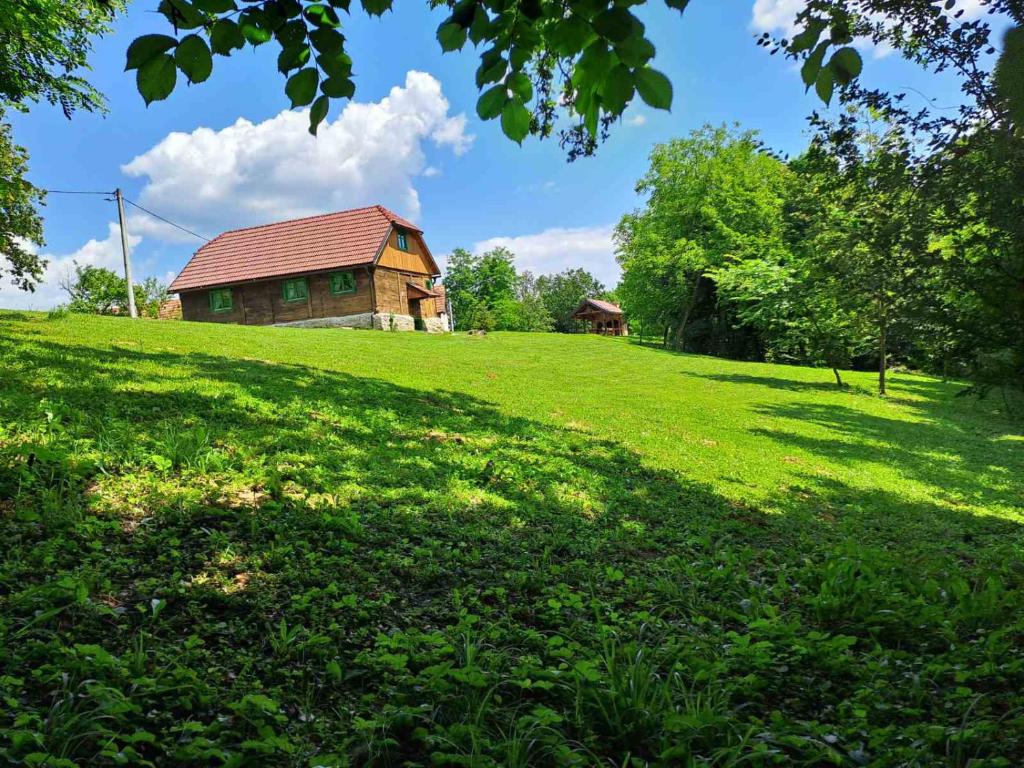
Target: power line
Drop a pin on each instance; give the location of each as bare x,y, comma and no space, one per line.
130,202
73,192
166,221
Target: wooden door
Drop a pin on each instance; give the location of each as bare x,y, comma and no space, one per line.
259,310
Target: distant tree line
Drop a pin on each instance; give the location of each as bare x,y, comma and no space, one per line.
860,252
488,293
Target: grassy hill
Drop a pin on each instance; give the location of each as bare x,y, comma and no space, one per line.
259,546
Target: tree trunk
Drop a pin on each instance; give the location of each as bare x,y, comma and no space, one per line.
839,379
681,330
664,336
882,361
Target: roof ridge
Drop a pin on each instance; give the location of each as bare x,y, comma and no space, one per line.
300,218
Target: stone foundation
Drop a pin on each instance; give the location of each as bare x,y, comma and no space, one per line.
383,321
379,321
436,324
362,320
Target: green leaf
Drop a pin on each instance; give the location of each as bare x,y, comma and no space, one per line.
635,51
491,74
520,85
518,57
824,85
193,59
569,36
322,16
301,87
590,118
293,33
616,24
215,6
679,5
653,87
329,41
492,102
338,88
318,113
147,47
593,65
182,14
376,7
515,121
226,36
481,25
293,57
451,36
846,64
254,27
336,65
805,40
812,66
617,90
156,78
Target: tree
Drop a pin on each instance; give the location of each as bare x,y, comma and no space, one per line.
482,289
796,308
587,60
20,224
478,284
527,312
872,231
43,46
975,307
712,197
100,291
563,292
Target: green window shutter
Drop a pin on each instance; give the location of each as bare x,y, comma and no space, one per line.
220,300
403,241
342,283
295,290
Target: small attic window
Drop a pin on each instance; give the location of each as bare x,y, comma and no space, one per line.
403,241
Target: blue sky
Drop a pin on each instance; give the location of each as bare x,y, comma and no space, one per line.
410,141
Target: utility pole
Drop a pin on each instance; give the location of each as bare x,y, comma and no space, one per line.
124,250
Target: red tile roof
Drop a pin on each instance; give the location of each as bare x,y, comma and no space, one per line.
312,244
604,306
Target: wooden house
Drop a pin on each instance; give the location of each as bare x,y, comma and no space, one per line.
602,317
364,268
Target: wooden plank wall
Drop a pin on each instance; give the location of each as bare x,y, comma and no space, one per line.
414,261
263,303
391,287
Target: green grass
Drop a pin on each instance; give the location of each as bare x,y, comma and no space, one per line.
258,546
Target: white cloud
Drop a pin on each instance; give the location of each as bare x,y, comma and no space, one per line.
637,120
554,250
97,253
248,173
776,16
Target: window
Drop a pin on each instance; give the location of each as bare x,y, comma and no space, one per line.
430,283
295,290
403,241
220,300
343,282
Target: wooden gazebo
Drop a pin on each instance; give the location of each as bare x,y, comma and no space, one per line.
604,317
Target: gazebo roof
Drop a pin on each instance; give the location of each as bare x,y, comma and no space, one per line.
588,305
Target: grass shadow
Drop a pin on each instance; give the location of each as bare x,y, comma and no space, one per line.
275,563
